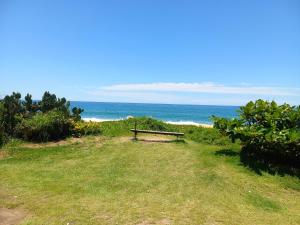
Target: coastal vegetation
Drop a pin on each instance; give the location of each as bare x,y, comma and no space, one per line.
45,120
57,169
51,119
268,132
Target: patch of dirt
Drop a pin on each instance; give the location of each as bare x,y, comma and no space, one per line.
53,143
98,141
3,154
148,138
156,138
124,139
11,216
160,222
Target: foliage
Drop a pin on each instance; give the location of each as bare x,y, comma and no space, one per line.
266,128
2,135
11,110
76,113
1,124
17,116
30,107
86,128
48,126
50,102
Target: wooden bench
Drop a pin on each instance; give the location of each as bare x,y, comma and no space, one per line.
136,131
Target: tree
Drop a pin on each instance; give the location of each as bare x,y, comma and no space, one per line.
76,113
48,102
12,109
2,135
28,102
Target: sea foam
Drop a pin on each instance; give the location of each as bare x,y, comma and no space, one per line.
93,119
188,123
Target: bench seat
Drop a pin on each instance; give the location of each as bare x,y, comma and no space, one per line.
157,132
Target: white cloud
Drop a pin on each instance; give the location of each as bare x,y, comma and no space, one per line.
207,87
190,93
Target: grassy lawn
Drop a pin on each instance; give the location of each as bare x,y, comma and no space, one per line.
113,180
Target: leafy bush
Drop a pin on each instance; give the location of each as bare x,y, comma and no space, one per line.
2,136
53,125
11,110
18,116
266,128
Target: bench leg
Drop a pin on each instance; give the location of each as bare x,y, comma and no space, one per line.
135,135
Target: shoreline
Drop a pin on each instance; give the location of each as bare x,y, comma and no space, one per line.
168,122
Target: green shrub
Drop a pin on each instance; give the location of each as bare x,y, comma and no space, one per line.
14,113
48,126
2,136
266,128
10,112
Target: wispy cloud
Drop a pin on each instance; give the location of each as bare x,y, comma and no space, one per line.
207,87
207,93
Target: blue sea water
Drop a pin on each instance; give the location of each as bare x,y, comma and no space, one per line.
166,112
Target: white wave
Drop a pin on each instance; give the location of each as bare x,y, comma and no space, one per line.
93,119
189,123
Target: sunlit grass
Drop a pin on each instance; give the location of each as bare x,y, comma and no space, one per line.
118,181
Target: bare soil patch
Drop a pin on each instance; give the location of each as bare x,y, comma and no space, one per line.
160,222
11,216
148,138
3,154
53,143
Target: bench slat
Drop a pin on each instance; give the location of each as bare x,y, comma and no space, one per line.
157,132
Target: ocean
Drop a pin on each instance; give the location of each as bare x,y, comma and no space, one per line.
171,113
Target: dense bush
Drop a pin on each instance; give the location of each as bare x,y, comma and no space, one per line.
2,136
48,119
48,126
266,128
11,111
1,124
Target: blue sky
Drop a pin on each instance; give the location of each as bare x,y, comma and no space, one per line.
196,52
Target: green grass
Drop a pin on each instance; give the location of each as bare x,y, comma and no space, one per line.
113,180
